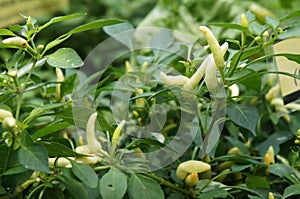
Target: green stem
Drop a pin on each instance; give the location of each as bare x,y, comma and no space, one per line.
265,57
168,184
22,88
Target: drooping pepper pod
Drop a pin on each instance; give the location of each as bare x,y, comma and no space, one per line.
214,46
8,123
59,78
209,62
15,41
191,166
178,80
5,113
92,143
272,93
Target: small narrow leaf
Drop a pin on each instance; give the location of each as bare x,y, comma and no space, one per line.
65,58
244,115
113,184
272,22
34,157
85,173
92,25
59,19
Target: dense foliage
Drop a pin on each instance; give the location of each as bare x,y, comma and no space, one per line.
109,108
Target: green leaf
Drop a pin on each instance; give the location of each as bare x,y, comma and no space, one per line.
122,32
113,184
292,32
50,128
59,19
214,193
272,22
15,170
280,170
74,187
2,190
85,173
232,26
293,57
93,25
55,43
252,81
65,58
244,115
6,32
58,150
34,157
290,15
144,187
256,182
291,191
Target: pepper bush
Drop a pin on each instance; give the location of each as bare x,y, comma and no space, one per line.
150,113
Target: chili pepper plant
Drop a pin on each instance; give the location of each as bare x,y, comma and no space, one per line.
149,113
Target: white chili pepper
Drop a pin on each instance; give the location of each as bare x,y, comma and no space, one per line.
4,113
9,123
15,41
116,135
170,80
92,143
214,46
191,166
234,90
59,78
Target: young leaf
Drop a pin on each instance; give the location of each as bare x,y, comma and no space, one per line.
122,32
34,157
49,129
65,58
92,25
291,191
85,173
113,184
244,115
5,32
272,22
59,19
144,187
232,26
